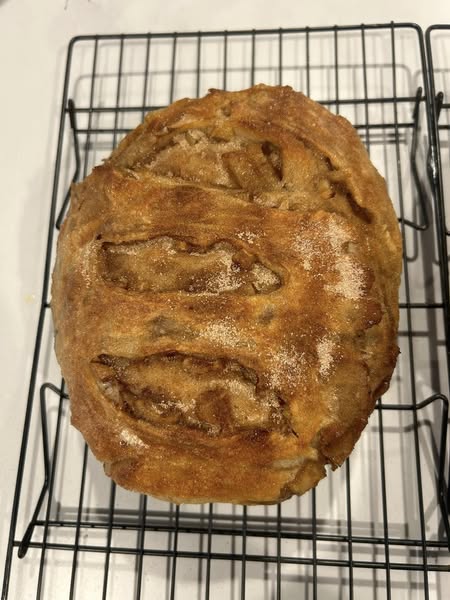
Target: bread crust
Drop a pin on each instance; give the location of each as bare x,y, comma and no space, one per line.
225,298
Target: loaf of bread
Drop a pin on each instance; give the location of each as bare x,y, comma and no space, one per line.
225,298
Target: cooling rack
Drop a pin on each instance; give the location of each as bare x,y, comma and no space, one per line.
376,528
438,52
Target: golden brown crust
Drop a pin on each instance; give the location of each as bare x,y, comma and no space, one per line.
225,298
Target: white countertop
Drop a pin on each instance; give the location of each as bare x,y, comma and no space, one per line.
33,42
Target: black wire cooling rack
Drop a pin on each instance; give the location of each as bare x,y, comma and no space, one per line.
438,53
376,528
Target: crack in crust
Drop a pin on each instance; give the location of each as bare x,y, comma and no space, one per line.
225,156
165,264
219,396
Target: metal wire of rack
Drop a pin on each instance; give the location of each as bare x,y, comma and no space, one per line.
377,527
438,51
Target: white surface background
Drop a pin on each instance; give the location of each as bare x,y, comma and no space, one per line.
33,41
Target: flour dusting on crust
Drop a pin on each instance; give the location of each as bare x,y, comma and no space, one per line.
131,439
319,257
226,280
351,277
286,367
224,333
325,347
247,236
